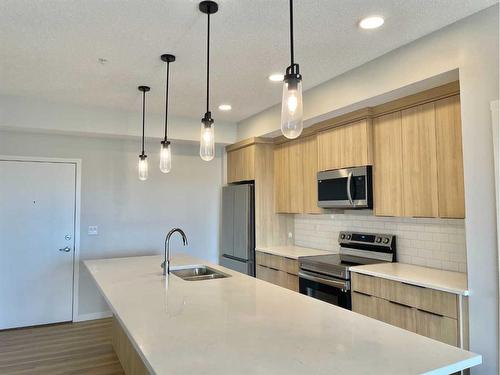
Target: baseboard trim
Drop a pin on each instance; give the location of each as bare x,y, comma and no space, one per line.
93,316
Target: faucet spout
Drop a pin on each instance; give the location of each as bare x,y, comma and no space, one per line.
166,262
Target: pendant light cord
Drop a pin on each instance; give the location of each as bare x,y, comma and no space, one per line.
143,118
208,60
291,33
166,101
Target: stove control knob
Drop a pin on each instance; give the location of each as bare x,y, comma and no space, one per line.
378,240
386,240
342,236
348,236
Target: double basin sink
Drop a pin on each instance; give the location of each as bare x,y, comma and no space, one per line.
197,273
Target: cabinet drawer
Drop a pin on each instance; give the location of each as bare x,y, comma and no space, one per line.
277,277
434,301
364,304
396,314
277,262
437,327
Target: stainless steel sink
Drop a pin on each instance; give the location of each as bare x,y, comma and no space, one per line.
197,273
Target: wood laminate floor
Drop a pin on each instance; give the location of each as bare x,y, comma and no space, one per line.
68,348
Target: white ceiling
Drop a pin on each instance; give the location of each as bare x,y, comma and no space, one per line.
50,48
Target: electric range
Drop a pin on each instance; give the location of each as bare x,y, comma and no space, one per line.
327,277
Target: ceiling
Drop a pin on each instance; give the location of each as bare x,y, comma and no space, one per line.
50,48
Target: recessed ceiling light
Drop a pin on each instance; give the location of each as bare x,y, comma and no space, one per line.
371,22
276,77
225,107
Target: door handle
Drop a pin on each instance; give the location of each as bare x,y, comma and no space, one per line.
65,249
349,178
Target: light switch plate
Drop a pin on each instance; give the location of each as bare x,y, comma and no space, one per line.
93,230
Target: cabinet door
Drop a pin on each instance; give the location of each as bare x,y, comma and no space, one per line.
295,167
387,165
310,171
420,198
396,314
449,158
345,146
240,164
364,304
281,179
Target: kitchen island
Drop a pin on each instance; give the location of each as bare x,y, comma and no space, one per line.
247,326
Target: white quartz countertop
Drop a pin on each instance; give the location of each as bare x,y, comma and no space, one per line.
241,325
294,252
446,281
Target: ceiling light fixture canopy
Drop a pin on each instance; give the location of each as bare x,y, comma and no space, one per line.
207,136
165,150
143,161
291,103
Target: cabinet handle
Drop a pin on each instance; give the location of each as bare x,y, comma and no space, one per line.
364,294
430,312
416,286
400,304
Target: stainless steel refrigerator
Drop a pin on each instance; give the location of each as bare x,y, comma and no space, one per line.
238,228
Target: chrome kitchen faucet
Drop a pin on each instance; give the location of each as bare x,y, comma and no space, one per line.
166,263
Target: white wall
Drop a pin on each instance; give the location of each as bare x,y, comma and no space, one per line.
471,46
33,114
133,216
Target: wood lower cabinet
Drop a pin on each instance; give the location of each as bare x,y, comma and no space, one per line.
277,270
130,360
425,311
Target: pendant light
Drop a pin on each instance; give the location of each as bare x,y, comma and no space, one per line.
143,161
207,140
291,103
165,150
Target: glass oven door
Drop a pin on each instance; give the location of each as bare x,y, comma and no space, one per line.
325,288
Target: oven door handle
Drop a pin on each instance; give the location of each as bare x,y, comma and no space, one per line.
349,196
343,285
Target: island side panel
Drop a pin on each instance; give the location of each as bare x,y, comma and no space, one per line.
131,361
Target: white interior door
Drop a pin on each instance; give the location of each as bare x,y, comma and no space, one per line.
37,224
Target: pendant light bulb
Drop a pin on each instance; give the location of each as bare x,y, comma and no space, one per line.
291,109
291,102
165,157
143,167
165,149
143,158
207,138
207,133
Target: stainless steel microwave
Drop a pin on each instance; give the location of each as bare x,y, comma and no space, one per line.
345,188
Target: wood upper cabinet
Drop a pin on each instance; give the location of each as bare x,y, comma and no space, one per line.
418,165
241,164
418,130
387,165
449,158
345,146
295,181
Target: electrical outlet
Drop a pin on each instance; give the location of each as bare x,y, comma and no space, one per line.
93,230
290,235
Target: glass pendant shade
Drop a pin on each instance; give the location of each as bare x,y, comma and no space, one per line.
291,108
165,157
143,168
207,141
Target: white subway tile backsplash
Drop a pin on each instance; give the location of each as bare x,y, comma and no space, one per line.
437,243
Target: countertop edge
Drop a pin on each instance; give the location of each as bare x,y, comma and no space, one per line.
287,253
463,292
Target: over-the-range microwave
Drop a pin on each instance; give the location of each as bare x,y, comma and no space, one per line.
345,188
